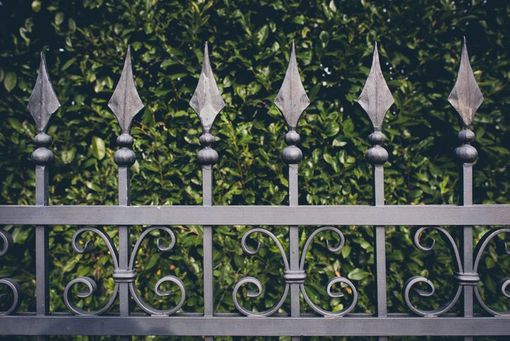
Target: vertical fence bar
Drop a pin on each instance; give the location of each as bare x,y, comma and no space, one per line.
42,104
125,103
207,103
376,99
466,98
292,101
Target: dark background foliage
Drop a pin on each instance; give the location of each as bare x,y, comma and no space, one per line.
250,42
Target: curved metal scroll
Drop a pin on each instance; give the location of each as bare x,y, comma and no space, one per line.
162,247
11,284
335,281
412,282
254,281
89,283
505,284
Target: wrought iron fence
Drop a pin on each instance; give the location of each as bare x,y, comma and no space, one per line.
292,100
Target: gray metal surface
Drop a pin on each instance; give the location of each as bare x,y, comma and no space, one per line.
428,222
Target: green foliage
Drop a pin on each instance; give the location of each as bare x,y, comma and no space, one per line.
250,44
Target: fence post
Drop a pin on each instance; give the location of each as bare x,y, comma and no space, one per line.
42,104
376,99
125,103
207,103
292,101
466,97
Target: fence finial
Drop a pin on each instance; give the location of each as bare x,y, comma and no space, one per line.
376,99
292,99
466,96
206,100
207,103
125,102
43,102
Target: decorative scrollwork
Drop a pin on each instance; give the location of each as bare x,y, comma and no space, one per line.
89,283
341,281
162,247
505,283
413,282
254,281
11,284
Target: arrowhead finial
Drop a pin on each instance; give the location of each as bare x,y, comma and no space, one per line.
43,102
125,102
292,99
466,96
376,97
206,100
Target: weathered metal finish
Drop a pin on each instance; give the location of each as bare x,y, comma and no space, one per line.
376,99
207,103
125,102
466,96
292,100
42,104
394,325
416,215
11,284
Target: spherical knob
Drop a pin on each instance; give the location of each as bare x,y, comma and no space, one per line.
125,140
206,139
466,153
42,156
207,156
124,157
292,155
377,155
292,137
377,137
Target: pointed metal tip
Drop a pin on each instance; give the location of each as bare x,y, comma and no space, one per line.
206,100
43,101
376,97
125,102
465,96
292,99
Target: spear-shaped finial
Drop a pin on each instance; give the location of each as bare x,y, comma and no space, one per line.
207,103
206,100
125,103
292,101
466,98
42,104
376,99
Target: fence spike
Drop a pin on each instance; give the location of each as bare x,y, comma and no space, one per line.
206,100
466,96
292,99
376,97
43,101
125,102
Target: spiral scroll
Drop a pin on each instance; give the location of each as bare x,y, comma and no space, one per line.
416,280
254,281
89,283
11,284
505,284
335,281
162,247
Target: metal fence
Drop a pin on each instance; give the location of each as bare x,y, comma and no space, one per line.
292,100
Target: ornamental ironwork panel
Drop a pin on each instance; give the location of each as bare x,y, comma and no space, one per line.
125,312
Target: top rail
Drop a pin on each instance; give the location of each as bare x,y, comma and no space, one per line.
416,215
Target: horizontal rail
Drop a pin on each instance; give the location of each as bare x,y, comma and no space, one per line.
422,215
276,326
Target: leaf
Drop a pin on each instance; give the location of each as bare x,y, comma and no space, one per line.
98,148
10,81
358,274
